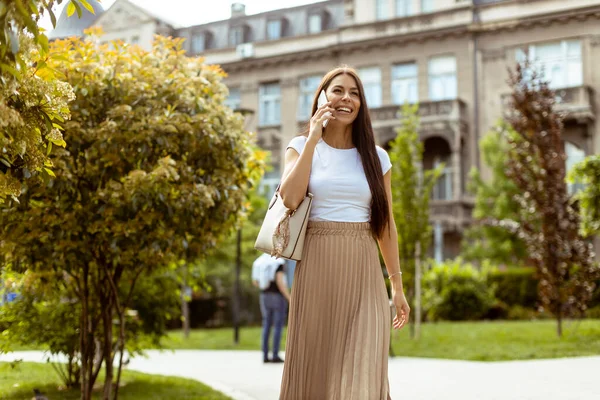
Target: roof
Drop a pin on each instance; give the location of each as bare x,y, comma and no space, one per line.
74,25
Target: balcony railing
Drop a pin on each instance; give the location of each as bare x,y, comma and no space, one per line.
453,213
454,109
576,103
448,116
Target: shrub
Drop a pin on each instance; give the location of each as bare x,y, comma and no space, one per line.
453,291
515,286
593,312
517,312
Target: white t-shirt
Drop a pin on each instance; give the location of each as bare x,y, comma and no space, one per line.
338,182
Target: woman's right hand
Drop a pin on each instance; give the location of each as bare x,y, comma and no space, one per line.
324,113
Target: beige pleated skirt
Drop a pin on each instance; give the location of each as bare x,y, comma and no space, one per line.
339,322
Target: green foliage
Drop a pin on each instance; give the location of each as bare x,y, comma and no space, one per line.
156,172
487,239
593,312
517,312
41,316
588,173
33,101
456,291
515,286
411,190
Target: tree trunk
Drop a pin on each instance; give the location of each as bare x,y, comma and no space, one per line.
411,319
86,339
108,352
185,310
417,332
236,289
559,322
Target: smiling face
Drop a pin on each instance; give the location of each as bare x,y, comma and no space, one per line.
344,94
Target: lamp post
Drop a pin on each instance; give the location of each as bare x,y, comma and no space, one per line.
248,114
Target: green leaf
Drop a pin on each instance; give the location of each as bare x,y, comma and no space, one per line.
49,150
52,17
71,8
78,8
5,162
9,69
43,41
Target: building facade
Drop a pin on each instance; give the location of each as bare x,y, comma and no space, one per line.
450,56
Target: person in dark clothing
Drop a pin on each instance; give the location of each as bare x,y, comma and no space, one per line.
268,274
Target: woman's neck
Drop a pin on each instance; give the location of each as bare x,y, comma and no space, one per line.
339,137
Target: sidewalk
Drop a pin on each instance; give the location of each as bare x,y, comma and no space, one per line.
242,376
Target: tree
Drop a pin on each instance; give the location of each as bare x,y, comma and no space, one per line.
411,191
547,221
156,172
44,314
588,173
494,201
33,101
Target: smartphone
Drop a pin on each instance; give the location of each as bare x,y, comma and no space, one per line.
322,100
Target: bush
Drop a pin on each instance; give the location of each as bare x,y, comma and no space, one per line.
595,301
518,312
593,313
515,286
498,310
453,291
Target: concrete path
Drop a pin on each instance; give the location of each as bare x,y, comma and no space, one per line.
243,376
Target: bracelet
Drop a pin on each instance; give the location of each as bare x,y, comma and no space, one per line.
395,273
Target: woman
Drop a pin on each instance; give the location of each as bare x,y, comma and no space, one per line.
338,333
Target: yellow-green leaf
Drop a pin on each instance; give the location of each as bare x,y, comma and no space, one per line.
71,8
50,172
87,6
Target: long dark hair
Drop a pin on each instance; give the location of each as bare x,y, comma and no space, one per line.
364,140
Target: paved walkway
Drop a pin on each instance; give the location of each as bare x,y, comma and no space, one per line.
243,376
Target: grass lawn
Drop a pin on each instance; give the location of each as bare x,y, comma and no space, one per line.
18,384
488,341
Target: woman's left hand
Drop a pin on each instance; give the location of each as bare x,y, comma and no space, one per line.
402,309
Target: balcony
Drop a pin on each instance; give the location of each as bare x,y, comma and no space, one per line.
575,103
455,215
446,118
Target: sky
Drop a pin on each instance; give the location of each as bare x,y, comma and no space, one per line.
193,12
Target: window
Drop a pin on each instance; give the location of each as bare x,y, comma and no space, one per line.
315,23
198,42
427,6
135,39
442,78
403,8
234,99
308,87
371,78
274,29
269,107
443,187
237,35
559,62
381,9
574,156
404,83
